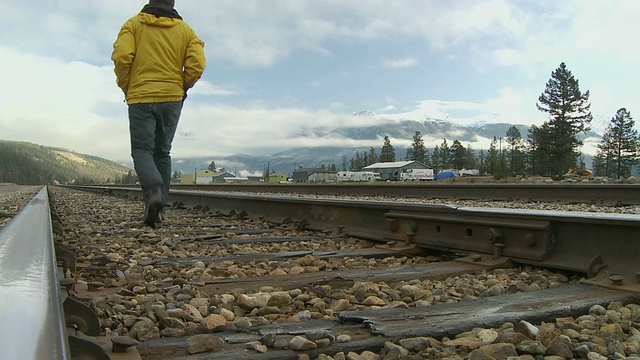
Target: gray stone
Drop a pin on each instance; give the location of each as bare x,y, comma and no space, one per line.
203,342
500,351
526,328
532,347
560,346
299,343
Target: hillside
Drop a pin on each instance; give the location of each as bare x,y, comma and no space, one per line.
25,163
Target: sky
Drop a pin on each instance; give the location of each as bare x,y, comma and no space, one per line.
277,67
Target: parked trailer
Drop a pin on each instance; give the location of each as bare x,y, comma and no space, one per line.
469,172
417,174
235,179
358,176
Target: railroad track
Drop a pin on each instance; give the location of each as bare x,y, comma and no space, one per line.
588,193
349,277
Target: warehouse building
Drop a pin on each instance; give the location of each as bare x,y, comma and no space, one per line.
205,177
314,175
392,170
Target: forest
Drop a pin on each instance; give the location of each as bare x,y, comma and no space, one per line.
25,163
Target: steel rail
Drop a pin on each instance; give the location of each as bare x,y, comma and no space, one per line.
609,194
591,243
38,318
32,324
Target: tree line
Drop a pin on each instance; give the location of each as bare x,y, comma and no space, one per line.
549,150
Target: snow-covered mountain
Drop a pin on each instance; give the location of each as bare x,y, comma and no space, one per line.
327,140
399,128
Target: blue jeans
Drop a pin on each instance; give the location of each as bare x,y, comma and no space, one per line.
152,127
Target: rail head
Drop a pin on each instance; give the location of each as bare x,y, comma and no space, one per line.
32,322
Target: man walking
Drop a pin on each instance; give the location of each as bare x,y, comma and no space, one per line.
157,58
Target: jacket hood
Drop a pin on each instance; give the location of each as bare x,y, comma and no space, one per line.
153,14
162,21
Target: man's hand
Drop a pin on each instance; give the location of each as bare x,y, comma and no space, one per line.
186,88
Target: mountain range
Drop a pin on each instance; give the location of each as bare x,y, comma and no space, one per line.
22,162
434,131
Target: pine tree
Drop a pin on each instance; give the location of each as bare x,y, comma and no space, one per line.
619,149
493,157
445,159
600,163
514,153
472,161
373,156
418,151
387,153
569,115
358,163
459,155
538,150
436,160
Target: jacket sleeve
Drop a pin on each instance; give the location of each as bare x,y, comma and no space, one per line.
194,62
124,50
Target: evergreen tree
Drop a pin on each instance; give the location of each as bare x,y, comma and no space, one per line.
387,153
538,150
212,166
459,155
471,161
436,160
493,157
445,158
373,156
418,151
358,163
515,153
601,163
503,167
344,162
619,149
496,161
569,115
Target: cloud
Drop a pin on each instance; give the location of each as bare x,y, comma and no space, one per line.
399,63
278,68
72,105
204,87
242,33
608,28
